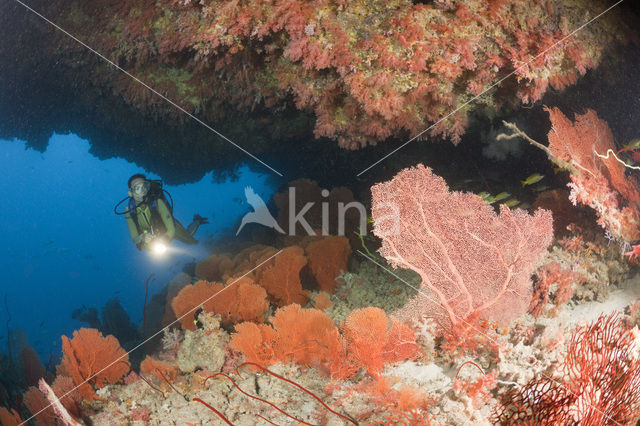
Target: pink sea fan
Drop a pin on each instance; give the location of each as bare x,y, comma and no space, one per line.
472,261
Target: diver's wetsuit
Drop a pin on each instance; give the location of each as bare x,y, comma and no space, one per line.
160,221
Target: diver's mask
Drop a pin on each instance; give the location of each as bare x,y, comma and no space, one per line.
140,189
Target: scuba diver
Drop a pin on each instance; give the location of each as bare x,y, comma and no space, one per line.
150,217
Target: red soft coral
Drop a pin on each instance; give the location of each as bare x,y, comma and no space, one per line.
598,180
634,254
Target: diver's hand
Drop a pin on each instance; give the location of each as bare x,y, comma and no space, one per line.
201,220
148,238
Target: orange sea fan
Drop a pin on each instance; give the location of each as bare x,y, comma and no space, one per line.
256,342
327,257
305,336
89,354
36,402
322,301
310,338
372,343
239,300
9,418
281,279
213,267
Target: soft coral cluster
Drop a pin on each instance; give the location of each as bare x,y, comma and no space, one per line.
563,281
367,70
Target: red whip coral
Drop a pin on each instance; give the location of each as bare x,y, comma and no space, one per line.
472,261
596,181
88,354
600,381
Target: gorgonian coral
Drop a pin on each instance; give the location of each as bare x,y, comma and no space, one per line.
474,263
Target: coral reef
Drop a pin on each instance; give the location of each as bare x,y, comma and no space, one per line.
334,59
203,348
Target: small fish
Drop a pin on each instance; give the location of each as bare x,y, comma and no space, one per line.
467,180
501,196
540,188
534,178
42,323
525,206
511,202
485,195
632,144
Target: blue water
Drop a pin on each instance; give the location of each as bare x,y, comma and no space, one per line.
63,246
